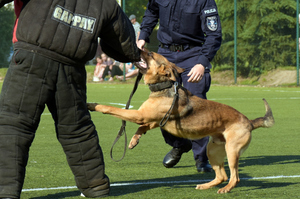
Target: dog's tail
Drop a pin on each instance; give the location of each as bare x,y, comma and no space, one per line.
266,121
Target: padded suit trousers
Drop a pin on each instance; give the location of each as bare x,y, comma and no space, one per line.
33,81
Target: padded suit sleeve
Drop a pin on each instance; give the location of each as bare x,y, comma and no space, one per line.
117,39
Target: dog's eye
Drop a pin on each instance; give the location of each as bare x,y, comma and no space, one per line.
150,54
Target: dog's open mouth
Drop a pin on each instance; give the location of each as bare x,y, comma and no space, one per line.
142,66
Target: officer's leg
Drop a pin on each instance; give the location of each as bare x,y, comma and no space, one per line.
179,145
199,146
174,141
21,104
76,132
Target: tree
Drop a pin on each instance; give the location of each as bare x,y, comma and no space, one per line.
266,35
138,8
6,29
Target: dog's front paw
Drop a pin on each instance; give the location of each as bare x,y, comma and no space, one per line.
91,106
134,141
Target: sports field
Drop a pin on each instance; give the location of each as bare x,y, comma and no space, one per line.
270,168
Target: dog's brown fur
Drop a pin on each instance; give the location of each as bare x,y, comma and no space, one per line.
192,118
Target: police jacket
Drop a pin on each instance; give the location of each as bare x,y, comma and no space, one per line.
68,30
185,22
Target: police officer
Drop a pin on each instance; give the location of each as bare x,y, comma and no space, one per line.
189,35
52,42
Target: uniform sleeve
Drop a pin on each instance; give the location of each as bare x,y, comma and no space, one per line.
3,2
212,30
117,39
150,20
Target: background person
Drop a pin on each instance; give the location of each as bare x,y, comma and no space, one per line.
129,75
99,69
48,68
108,62
131,72
189,35
113,70
136,26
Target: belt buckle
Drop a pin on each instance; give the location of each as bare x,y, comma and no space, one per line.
178,48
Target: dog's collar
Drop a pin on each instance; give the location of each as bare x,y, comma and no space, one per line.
160,86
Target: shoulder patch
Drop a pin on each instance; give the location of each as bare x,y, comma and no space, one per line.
212,23
81,22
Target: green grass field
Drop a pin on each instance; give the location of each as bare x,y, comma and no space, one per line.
268,169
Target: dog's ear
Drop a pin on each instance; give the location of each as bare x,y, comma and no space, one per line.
175,71
170,71
178,69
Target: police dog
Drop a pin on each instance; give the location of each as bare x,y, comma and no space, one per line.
190,117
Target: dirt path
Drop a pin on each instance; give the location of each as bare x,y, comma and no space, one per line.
272,78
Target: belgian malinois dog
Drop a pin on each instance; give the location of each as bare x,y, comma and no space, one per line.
190,117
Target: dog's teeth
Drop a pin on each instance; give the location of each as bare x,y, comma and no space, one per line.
142,64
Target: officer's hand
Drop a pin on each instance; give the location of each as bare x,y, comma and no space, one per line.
140,44
196,74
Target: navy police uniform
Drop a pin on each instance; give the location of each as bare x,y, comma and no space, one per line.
189,34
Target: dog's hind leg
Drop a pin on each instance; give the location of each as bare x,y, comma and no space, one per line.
235,146
216,155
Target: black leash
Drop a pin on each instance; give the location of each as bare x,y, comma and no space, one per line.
122,129
167,116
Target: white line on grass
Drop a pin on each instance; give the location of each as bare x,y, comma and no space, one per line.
160,182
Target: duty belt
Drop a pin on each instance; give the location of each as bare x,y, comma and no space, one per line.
176,47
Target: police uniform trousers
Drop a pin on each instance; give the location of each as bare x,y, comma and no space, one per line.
187,60
33,81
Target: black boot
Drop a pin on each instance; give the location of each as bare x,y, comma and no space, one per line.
173,157
203,166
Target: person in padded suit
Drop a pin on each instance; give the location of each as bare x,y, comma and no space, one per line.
52,42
